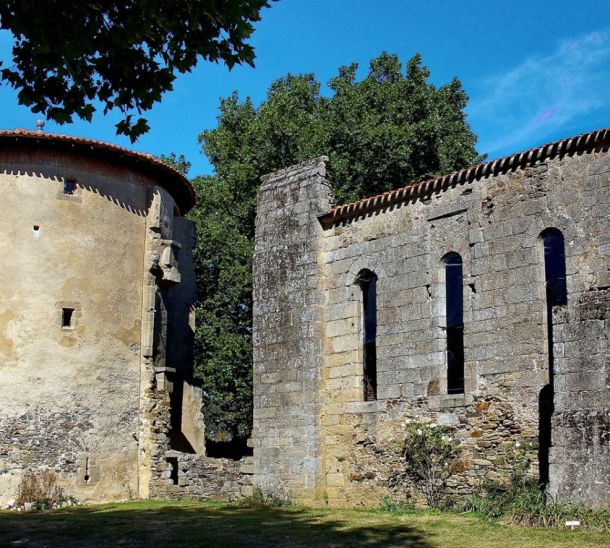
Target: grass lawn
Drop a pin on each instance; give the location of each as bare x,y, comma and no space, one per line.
164,523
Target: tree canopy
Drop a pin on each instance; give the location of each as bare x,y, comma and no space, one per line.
386,130
122,53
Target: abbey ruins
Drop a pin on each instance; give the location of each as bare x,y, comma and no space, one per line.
479,300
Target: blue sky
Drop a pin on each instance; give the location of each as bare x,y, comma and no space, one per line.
535,70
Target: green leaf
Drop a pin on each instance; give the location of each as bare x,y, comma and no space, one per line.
123,53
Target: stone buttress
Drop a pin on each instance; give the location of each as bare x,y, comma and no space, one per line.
288,329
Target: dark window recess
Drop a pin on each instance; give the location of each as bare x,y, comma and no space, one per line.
87,476
454,286
69,187
66,317
555,267
367,281
455,360
173,469
556,295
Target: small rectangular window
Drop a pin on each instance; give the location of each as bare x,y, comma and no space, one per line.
66,317
69,187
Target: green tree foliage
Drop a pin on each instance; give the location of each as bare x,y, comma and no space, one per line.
124,53
389,129
223,338
178,162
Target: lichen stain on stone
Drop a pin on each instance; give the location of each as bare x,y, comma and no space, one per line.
67,341
7,346
434,387
129,335
482,406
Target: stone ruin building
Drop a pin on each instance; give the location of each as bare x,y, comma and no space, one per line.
478,300
96,323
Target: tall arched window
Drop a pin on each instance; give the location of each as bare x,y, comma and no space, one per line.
367,281
556,295
454,299
555,267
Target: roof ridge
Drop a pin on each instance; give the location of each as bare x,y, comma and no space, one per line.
473,172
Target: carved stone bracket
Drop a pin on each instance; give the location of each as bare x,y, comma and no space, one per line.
164,260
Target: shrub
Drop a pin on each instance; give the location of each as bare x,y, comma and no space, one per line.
428,451
268,497
525,503
397,507
40,491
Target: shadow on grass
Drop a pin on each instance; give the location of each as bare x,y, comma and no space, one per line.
201,525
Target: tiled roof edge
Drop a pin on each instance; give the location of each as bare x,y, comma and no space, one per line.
581,142
185,195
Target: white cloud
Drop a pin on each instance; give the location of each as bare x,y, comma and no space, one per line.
544,93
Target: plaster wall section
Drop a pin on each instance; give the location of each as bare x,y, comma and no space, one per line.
289,306
97,325
69,399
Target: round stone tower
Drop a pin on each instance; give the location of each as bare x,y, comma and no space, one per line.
95,316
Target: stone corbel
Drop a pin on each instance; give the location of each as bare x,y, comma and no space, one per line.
162,378
164,262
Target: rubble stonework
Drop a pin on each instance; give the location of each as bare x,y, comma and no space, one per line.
106,402
313,431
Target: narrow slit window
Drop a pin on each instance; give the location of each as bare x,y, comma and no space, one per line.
555,267
87,476
556,295
69,187
454,299
67,318
367,281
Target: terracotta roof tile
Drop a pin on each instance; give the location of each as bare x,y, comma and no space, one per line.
585,141
175,183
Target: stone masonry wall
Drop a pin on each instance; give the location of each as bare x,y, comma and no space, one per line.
288,329
580,456
494,223
93,401
69,398
180,475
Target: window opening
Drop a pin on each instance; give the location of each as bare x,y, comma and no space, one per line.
367,281
556,295
69,186
67,315
87,476
555,267
454,299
